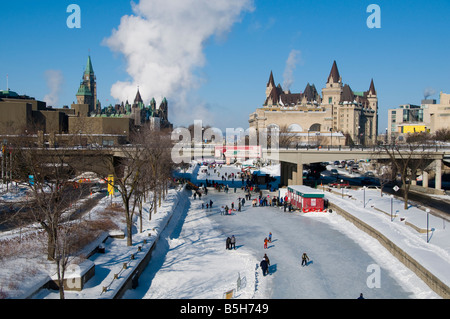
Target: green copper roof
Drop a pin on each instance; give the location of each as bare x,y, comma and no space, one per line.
84,90
9,93
89,68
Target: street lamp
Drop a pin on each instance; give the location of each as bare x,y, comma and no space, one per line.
392,198
364,198
307,145
342,187
428,213
331,137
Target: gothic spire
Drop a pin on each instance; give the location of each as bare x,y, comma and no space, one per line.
89,69
271,81
138,98
372,88
334,74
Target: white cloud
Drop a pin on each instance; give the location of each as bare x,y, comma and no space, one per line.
163,44
54,79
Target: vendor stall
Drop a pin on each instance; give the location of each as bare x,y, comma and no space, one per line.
306,199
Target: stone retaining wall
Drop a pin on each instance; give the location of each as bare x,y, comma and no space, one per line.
431,280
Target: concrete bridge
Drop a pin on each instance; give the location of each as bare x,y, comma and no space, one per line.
293,160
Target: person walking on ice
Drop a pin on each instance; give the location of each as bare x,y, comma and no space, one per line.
270,237
305,259
233,242
264,267
268,262
265,242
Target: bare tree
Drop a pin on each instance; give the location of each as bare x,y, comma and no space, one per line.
384,173
407,160
51,195
140,168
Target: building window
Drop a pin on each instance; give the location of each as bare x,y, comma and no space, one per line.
330,100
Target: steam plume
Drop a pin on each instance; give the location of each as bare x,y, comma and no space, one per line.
54,79
291,64
163,42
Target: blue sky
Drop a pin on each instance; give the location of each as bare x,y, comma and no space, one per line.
408,54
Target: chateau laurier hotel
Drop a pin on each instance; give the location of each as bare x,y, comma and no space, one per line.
340,116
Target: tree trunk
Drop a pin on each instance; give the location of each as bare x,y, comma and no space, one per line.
155,198
60,279
51,243
129,221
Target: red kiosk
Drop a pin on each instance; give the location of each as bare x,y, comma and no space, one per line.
306,199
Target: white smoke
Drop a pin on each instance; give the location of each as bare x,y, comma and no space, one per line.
163,42
54,79
429,91
291,63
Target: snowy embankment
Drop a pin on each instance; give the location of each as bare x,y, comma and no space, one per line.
110,273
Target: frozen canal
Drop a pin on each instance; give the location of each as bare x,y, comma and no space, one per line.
191,261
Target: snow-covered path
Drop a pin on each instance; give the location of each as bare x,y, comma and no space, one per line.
190,260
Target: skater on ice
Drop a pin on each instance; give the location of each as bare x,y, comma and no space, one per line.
305,259
266,258
233,242
264,267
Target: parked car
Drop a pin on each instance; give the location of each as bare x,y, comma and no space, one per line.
340,185
96,189
334,172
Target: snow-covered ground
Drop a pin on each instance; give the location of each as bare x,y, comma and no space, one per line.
190,259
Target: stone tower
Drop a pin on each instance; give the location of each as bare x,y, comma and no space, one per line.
372,99
331,94
87,93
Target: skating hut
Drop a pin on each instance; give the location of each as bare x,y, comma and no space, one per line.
306,199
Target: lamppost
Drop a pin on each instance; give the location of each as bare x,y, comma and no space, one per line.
392,198
342,187
364,198
331,137
307,145
428,213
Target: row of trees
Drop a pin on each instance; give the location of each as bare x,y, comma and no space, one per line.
141,172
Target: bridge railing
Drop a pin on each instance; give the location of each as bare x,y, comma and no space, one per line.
372,148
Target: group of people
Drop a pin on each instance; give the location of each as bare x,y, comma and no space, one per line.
267,241
265,263
231,243
225,210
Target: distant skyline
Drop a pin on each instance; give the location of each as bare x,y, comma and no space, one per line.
212,59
